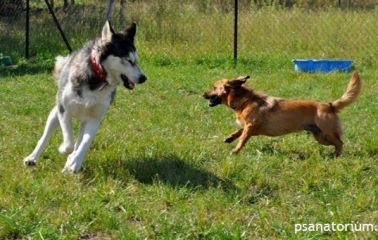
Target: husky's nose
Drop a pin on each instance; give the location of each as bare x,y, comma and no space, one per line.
142,79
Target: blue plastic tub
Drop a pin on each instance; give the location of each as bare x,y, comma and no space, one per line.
322,65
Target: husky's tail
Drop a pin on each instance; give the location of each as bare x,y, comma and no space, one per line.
351,93
60,61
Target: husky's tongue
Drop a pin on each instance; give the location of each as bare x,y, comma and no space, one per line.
127,83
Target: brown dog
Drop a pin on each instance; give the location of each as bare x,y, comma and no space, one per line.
260,114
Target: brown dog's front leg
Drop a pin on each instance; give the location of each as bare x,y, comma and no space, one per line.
246,134
233,136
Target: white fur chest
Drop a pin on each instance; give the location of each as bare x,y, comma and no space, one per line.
89,104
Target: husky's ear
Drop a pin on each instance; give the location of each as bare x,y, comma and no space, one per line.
130,31
107,32
238,81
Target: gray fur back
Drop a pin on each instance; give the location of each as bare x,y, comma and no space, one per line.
76,68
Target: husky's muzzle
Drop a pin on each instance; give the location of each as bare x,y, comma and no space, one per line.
213,99
130,84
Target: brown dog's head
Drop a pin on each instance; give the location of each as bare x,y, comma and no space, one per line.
221,89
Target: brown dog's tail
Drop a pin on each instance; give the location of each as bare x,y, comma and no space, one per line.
351,93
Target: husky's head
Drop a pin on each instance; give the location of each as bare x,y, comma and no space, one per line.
119,58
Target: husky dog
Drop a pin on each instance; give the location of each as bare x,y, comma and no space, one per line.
87,80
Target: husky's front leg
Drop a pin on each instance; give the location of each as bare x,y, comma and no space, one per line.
75,159
80,136
51,125
66,124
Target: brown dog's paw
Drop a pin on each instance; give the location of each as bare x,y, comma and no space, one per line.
228,140
235,151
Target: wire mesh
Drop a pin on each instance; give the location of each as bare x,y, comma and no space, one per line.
198,29
12,24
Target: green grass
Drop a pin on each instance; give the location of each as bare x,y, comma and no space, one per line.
158,167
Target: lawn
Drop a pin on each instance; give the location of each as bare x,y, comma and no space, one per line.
158,167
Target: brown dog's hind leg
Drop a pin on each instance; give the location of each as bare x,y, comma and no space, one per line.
233,136
329,124
333,139
322,139
338,143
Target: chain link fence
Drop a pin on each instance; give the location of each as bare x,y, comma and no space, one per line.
201,29
12,18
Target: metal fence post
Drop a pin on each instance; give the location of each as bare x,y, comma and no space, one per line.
109,10
58,25
236,32
27,30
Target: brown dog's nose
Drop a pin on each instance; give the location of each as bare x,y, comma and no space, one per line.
206,95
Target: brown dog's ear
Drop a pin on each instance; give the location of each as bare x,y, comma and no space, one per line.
238,81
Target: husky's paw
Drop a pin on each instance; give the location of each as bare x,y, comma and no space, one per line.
30,161
71,169
67,170
66,148
71,166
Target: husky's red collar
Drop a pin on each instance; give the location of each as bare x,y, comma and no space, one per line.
100,73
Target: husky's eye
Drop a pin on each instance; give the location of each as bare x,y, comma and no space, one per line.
128,60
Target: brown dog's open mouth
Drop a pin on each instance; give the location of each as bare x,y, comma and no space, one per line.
213,99
127,83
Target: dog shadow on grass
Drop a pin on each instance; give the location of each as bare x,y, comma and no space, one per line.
170,170
23,69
